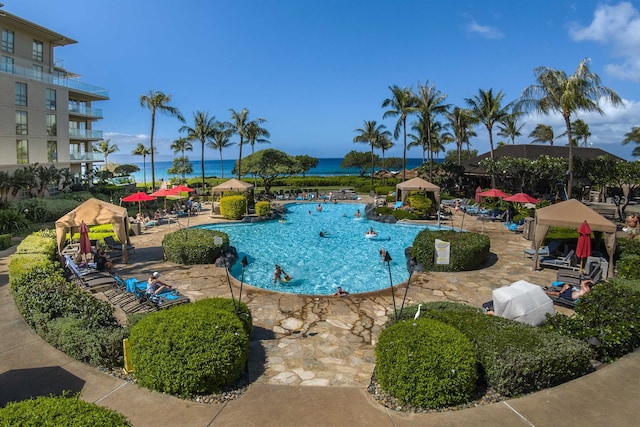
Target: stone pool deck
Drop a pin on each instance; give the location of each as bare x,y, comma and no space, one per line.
312,357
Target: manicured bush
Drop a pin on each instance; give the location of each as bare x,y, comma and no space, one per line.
241,311
627,247
194,246
23,263
5,241
263,208
628,267
40,242
233,207
468,251
190,349
426,363
515,358
610,313
48,209
59,411
420,204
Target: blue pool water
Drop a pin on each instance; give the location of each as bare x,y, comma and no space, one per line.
317,264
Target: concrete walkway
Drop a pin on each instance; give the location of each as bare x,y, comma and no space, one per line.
312,357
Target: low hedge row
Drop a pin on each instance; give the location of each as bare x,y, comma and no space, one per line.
468,251
194,246
233,207
5,241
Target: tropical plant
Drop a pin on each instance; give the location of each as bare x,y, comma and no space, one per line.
255,133
220,139
487,109
143,151
461,122
633,136
181,145
306,162
542,134
402,103
430,102
105,148
384,143
202,130
581,131
369,134
241,125
157,102
508,126
270,164
555,91
356,159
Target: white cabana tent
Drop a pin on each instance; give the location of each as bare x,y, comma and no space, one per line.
417,184
234,185
95,212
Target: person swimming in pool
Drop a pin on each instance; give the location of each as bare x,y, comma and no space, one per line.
358,213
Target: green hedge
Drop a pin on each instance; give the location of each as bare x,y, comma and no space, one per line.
12,221
242,311
469,251
420,204
59,411
233,207
5,241
426,363
628,267
40,242
190,349
515,358
194,246
263,208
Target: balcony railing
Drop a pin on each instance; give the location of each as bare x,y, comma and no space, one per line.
85,133
71,83
86,157
85,111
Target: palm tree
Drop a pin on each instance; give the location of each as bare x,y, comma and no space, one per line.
542,134
202,130
557,92
633,136
181,145
238,126
430,103
384,143
402,103
255,133
487,109
508,127
105,148
461,122
219,140
369,134
143,151
580,129
157,102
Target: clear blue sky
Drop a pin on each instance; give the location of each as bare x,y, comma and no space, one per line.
316,69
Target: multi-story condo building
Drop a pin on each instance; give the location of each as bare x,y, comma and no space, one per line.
46,113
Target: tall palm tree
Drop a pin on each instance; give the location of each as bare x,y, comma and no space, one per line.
202,130
255,133
555,91
384,143
542,134
221,139
633,136
143,151
461,122
157,102
238,124
509,128
430,103
181,145
369,134
580,129
402,104
105,148
487,109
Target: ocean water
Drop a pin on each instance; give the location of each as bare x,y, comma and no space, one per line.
326,167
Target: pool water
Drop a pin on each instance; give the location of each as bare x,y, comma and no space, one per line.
318,265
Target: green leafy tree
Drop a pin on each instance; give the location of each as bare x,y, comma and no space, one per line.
461,122
44,177
356,159
384,143
633,136
549,171
241,125
459,157
430,103
157,102
306,162
202,130
105,148
555,91
181,166
126,169
256,133
181,145
370,134
270,164
220,139
542,134
581,131
402,103
143,151
509,127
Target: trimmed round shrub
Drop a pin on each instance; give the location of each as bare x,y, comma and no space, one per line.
190,349
60,411
426,363
420,204
263,208
627,267
469,251
194,246
233,207
242,311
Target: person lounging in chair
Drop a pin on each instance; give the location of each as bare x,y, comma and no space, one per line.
155,286
571,293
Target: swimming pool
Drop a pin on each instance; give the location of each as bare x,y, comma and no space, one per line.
318,265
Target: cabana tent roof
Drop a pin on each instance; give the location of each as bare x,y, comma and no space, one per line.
417,184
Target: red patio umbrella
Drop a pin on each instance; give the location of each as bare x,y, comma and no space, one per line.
583,250
494,192
175,191
85,243
521,198
139,197
163,192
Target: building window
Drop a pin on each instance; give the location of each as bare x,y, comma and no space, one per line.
22,125
21,94
7,40
6,64
52,129
37,50
22,151
52,151
37,71
51,99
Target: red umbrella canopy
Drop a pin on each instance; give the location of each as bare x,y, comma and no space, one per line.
163,192
140,196
521,198
494,192
85,243
180,189
583,250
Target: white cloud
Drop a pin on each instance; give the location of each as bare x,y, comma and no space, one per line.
618,27
128,142
484,31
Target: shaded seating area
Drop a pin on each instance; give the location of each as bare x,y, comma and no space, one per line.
114,245
130,295
567,261
87,277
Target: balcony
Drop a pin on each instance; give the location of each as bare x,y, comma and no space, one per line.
86,157
85,111
85,134
69,83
